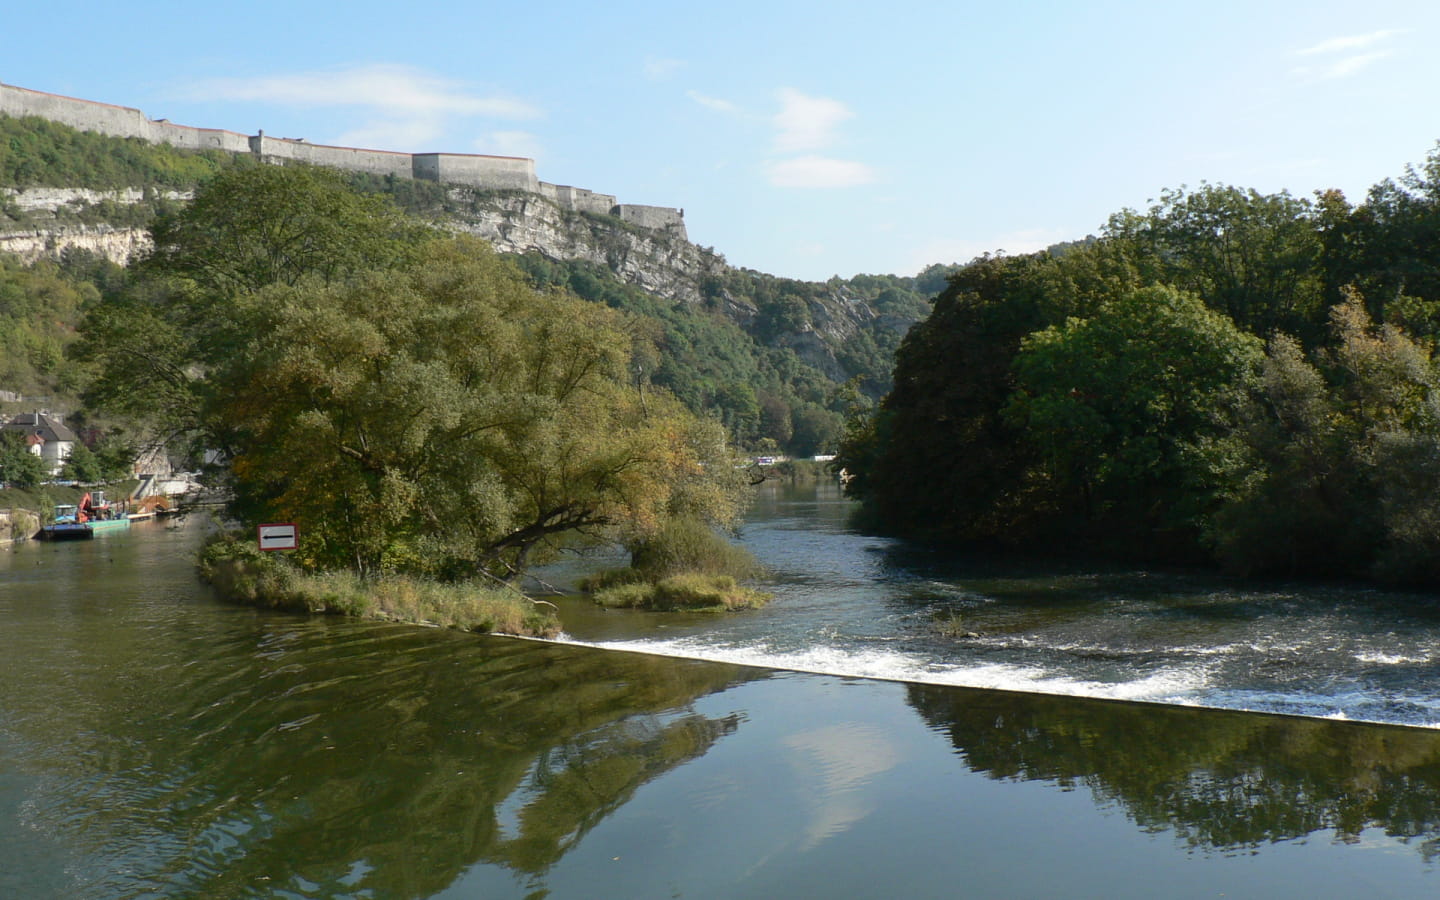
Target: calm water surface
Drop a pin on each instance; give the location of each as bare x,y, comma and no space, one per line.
154,743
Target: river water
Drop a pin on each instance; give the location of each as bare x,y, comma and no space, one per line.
850,604
156,743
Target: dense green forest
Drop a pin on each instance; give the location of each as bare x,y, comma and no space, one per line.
752,376
1228,377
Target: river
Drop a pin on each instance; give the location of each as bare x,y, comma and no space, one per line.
156,743
851,604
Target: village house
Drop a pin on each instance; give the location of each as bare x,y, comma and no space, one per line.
47,437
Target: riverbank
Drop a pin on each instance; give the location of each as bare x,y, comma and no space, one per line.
239,573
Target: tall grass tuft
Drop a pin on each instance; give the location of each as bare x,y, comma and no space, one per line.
684,566
241,573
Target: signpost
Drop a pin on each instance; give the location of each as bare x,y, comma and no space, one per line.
278,536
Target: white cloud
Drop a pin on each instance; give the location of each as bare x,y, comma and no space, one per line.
381,134
1336,57
1342,68
818,172
392,88
509,143
659,69
410,108
962,250
807,123
1350,42
714,103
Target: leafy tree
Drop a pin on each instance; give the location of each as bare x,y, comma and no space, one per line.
443,416
250,228
18,466
1132,409
83,466
1254,257
938,457
149,348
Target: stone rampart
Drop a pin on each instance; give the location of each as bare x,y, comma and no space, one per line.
485,172
373,162
582,200
498,172
658,217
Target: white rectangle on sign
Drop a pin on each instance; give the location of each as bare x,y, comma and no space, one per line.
279,537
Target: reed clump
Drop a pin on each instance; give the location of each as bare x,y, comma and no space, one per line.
688,566
241,573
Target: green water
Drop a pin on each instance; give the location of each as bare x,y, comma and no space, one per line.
154,743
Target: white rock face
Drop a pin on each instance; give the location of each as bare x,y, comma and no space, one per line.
119,244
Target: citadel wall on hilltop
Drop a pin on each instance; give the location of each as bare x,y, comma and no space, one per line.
487,172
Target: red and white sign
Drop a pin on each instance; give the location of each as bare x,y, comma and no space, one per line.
278,536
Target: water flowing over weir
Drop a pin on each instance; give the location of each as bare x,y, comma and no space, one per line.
851,605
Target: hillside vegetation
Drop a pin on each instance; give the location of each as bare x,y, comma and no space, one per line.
1228,377
780,362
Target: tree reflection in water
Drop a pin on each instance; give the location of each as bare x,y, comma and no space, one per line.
1220,781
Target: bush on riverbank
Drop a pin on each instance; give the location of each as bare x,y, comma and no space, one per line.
684,566
241,573
692,593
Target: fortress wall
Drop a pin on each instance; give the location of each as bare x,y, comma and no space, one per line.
496,172
581,200
659,217
375,162
117,121
187,138
491,172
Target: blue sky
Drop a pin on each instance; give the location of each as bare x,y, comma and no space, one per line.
802,139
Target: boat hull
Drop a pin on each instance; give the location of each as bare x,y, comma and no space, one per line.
67,531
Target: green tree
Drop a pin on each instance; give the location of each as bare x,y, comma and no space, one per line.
250,228
149,348
444,416
1132,410
83,466
1255,257
18,466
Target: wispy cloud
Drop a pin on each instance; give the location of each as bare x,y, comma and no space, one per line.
659,68
509,143
1350,42
714,103
818,172
409,106
1342,57
805,122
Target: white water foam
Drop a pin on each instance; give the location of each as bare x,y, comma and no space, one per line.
1189,686
1170,686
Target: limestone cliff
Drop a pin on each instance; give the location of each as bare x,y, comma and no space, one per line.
660,261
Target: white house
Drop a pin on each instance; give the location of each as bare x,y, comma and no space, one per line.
47,436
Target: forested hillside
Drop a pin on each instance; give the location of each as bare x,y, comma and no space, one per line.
780,362
1227,376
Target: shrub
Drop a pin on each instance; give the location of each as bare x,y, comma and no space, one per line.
691,592
242,573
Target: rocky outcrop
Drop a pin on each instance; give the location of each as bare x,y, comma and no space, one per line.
119,244
654,260
659,261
